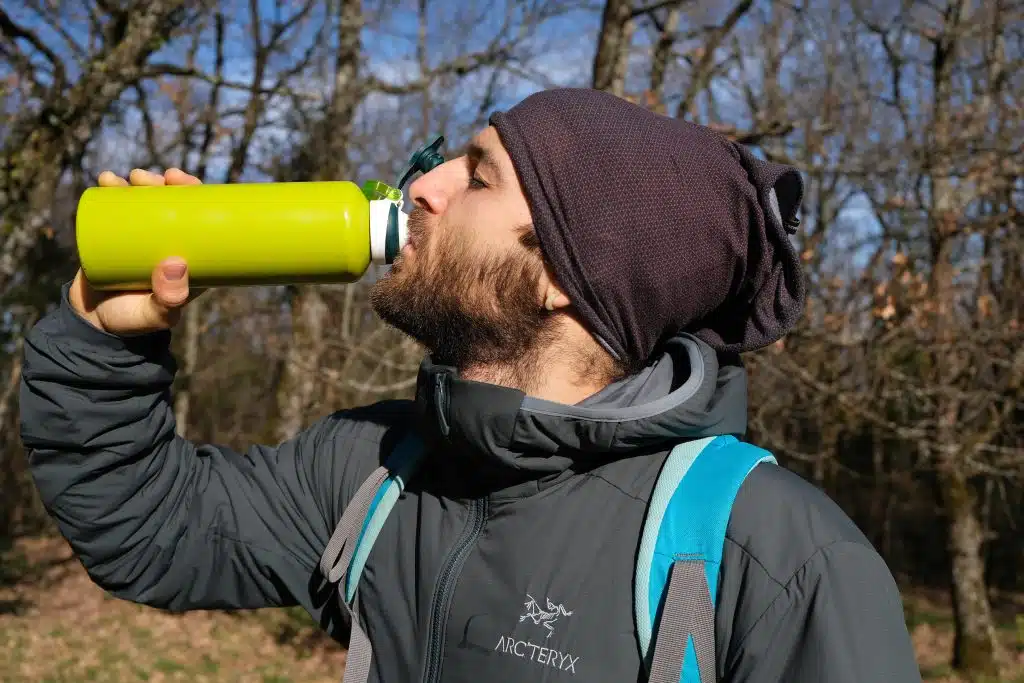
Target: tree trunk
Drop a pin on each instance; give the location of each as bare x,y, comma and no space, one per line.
612,58
346,96
191,323
19,501
10,388
975,647
974,644
299,376
661,57
300,373
13,380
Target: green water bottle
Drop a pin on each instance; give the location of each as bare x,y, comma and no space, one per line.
244,233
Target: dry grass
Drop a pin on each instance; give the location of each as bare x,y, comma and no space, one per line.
56,625
930,619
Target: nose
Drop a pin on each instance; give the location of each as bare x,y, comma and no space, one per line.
432,190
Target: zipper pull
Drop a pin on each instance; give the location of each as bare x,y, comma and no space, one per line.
442,402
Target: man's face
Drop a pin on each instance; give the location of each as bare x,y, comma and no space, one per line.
468,284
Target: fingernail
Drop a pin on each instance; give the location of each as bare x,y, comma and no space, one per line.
174,271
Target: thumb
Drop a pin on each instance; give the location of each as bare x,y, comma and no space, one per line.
170,291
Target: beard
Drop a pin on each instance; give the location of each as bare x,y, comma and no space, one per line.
468,310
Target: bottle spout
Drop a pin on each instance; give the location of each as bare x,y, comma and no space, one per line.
423,160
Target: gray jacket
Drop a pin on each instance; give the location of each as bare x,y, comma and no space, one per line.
518,499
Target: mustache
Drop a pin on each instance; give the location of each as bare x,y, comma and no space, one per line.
417,224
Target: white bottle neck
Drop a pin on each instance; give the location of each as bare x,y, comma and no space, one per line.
380,216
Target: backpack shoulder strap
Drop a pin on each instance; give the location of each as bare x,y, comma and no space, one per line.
345,556
676,582
401,466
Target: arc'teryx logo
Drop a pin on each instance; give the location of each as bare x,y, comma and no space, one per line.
524,649
542,617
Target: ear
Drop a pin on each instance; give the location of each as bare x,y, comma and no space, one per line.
550,295
552,298
555,299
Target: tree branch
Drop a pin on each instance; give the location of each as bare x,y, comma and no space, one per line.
460,66
13,31
705,66
654,7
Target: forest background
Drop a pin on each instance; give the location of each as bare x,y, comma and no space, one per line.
901,393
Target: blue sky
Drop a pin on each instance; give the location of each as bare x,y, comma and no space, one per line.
560,51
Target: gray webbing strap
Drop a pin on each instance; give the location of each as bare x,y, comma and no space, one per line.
343,542
351,525
360,652
688,612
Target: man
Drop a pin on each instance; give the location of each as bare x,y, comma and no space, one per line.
583,279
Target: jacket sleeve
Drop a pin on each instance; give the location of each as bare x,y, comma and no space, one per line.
839,619
158,519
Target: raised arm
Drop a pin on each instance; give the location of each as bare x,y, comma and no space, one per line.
160,520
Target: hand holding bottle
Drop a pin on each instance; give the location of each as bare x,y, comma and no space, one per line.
133,313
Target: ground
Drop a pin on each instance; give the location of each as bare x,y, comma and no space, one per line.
57,626
930,620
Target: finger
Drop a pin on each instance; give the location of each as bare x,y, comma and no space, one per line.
109,179
170,283
139,176
175,176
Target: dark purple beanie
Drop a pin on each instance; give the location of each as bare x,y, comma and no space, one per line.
653,225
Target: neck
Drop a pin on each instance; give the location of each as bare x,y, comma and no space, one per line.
565,371
551,386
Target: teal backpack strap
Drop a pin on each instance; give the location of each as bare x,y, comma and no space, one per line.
345,556
402,465
676,582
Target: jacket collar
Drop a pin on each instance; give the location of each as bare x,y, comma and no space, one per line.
492,438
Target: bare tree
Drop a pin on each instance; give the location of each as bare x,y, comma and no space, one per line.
59,114
948,209
924,370
964,149
613,43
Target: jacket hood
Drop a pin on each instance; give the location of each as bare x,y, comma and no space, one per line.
504,436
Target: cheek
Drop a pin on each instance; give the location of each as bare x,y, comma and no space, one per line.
490,223
465,231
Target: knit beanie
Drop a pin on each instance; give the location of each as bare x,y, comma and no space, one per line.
653,225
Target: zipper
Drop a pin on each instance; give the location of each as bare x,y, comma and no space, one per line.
445,590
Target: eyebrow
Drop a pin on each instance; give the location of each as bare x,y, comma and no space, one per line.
484,157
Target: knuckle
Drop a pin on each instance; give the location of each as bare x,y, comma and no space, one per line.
175,298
